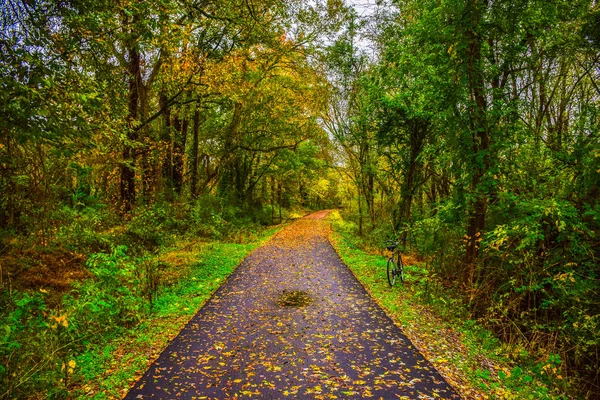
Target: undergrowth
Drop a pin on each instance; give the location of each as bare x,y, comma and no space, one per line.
435,318
108,369
123,293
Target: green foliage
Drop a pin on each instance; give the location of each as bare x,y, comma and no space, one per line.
39,345
84,229
51,351
155,226
549,236
485,118
35,349
411,306
114,297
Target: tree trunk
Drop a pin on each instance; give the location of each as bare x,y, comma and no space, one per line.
7,215
418,129
180,132
371,197
127,187
360,213
179,153
166,138
481,146
272,201
406,195
195,161
279,200
230,159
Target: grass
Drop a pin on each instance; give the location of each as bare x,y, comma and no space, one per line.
108,371
471,359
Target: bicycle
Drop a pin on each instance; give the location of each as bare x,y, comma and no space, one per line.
395,269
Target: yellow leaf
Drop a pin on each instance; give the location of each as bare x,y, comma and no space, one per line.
62,320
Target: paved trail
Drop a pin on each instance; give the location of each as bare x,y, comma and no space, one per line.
292,321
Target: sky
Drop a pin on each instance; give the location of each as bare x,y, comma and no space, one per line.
364,8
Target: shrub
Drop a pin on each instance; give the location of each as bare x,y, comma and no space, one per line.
84,229
150,227
33,347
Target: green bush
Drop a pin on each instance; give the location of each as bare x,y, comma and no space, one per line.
546,270
114,297
152,227
84,229
34,347
44,349
438,239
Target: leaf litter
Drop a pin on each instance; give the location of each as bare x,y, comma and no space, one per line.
292,321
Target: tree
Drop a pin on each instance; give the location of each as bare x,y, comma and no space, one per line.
348,120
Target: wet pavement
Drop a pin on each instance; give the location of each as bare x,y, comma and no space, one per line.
292,322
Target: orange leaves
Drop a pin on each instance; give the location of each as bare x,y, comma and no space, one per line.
60,321
276,84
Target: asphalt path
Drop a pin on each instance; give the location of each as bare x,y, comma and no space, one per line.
292,322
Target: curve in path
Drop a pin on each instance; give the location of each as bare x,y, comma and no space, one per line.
292,321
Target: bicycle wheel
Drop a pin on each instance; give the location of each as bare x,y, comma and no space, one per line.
400,270
391,271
